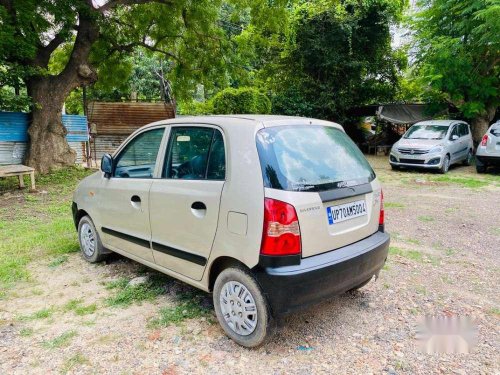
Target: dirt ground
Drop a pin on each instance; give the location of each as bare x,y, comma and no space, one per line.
444,260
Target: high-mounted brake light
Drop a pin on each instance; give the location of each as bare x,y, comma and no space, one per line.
281,233
484,140
381,219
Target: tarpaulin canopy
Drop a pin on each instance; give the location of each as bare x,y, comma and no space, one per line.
404,113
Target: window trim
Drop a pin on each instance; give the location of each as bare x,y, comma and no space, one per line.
123,147
168,145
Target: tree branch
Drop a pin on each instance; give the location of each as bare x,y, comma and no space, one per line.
114,3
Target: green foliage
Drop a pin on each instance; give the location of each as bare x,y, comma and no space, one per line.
128,294
60,341
458,49
335,56
242,100
188,306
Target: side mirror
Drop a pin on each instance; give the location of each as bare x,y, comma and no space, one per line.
107,165
454,137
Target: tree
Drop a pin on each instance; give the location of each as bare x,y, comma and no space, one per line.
241,100
457,45
187,33
336,55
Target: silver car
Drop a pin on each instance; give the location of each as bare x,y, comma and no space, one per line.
434,144
488,151
268,213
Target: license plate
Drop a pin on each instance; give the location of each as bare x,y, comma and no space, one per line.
346,211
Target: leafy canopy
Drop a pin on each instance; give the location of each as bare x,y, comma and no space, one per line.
335,55
457,47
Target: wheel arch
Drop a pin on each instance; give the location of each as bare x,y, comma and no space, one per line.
219,265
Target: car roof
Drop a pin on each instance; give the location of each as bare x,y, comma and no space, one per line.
439,122
245,119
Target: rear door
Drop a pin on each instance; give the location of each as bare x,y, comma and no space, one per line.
124,197
323,174
185,201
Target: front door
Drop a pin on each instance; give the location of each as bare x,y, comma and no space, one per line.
454,144
185,201
124,197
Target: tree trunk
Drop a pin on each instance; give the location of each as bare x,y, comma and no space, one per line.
48,148
481,123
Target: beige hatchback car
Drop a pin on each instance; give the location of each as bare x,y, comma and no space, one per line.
269,213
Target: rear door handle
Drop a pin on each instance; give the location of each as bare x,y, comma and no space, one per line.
198,206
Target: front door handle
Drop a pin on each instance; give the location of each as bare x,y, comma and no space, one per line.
135,201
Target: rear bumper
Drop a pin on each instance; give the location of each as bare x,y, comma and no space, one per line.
489,160
322,276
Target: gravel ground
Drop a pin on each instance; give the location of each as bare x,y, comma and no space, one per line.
444,260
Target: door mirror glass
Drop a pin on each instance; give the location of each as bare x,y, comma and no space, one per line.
454,137
107,165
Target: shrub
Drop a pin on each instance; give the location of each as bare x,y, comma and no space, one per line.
242,100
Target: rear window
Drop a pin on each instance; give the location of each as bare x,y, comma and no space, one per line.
310,158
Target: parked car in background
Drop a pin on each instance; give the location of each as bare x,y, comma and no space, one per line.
434,144
269,213
488,151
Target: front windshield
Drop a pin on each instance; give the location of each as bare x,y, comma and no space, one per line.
426,132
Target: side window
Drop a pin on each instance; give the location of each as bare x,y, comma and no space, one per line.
138,158
464,130
195,154
454,132
216,169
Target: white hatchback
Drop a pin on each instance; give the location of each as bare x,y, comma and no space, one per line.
269,213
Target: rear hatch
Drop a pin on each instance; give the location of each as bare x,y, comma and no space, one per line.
323,174
493,145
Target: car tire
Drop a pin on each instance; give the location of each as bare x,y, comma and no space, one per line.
468,159
91,246
480,166
395,167
230,300
446,165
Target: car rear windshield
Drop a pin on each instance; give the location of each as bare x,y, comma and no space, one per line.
310,158
426,132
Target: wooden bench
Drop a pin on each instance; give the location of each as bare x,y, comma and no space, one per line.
19,171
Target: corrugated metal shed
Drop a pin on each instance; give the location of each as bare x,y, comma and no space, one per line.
116,121
124,118
14,136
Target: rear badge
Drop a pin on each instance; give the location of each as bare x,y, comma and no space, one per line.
310,210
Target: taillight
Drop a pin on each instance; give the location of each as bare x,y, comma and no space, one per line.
484,140
381,218
281,234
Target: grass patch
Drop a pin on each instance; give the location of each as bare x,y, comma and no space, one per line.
58,261
190,306
393,205
40,225
494,311
468,182
413,241
495,231
76,305
426,219
129,294
60,341
40,314
26,332
414,255
74,361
